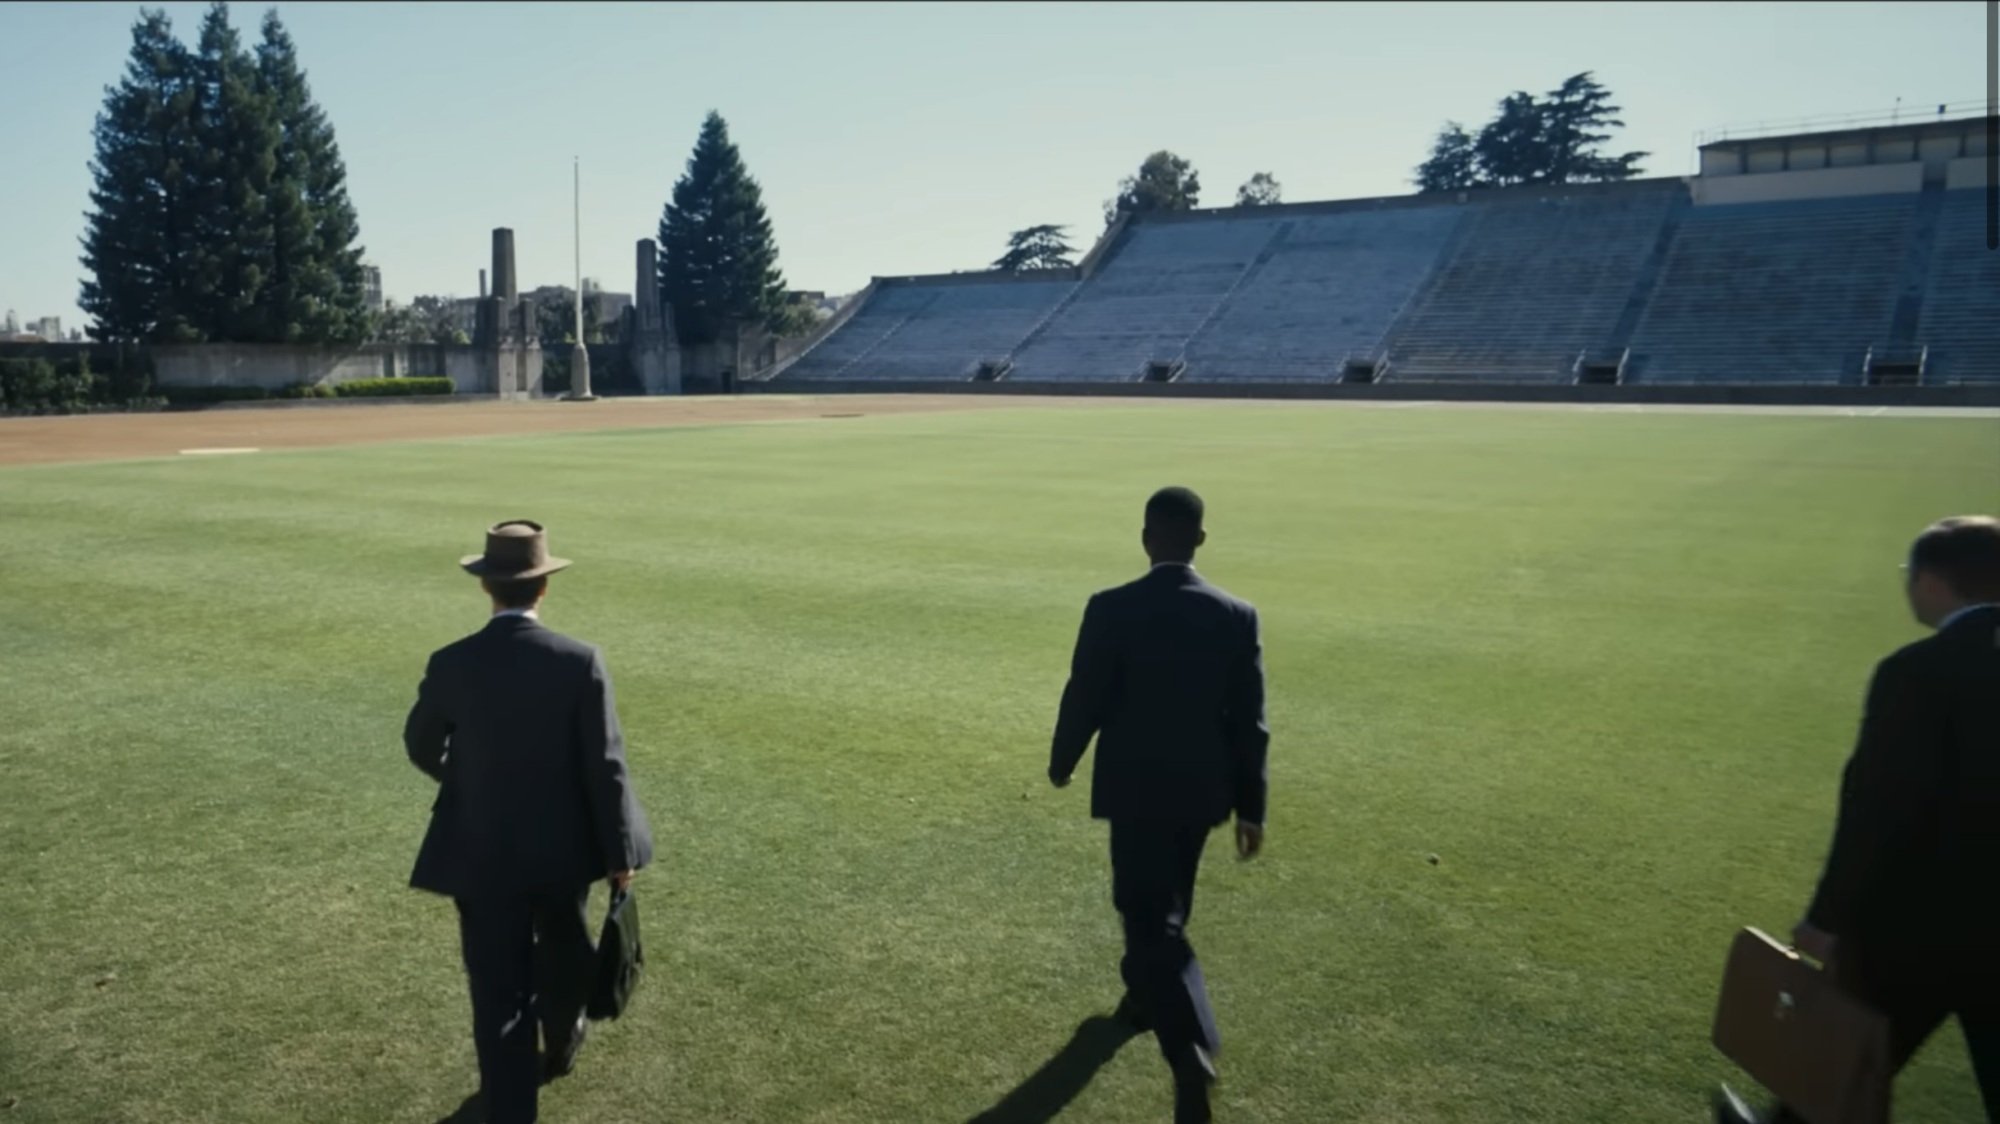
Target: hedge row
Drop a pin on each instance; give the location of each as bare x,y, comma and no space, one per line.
358,388
388,388
68,386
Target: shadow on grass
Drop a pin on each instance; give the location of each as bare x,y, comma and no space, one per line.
1049,1089
473,1111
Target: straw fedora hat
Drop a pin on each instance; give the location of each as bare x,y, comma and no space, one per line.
515,550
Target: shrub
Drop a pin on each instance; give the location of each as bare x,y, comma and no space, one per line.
384,388
40,387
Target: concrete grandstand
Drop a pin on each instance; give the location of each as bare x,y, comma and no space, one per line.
1855,257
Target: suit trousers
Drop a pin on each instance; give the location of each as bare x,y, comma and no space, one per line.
1153,867
1918,990
528,960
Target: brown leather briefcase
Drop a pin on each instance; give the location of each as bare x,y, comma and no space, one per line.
1817,1048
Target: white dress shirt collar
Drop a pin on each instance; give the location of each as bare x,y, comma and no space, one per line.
529,613
1963,610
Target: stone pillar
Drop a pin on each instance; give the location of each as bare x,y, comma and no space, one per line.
503,265
650,345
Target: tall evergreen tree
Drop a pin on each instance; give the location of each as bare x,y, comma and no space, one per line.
1575,116
1511,149
1452,165
220,209
316,291
1036,247
237,136
139,236
1552,139
718,261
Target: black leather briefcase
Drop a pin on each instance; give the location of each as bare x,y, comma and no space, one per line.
620,959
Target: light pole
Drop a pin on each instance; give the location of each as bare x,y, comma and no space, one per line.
579,355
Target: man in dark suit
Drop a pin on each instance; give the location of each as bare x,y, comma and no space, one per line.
517,724
1906,912
1168,674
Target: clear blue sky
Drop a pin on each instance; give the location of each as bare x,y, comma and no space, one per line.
911,138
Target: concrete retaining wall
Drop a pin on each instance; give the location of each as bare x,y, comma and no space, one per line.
269,365
1777,395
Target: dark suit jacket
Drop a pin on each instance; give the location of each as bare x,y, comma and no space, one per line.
518,726
1917,847
1169,674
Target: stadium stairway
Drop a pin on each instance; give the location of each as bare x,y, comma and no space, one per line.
1960,319
1794,291
1534,284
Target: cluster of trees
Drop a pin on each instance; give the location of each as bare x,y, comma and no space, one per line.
219,207
424,320
1555,138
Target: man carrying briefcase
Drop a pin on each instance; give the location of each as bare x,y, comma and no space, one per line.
517,724
1905,916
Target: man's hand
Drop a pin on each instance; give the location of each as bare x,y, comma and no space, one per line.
621,880
1816,942
1059,781
1249,839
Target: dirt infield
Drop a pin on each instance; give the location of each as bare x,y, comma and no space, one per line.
97,437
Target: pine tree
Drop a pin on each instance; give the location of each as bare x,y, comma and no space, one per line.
1037,247
1452,165
139,235
1511,148
1575,116
238,136
718,262
316,289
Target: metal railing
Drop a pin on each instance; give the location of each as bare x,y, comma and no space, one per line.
1899,115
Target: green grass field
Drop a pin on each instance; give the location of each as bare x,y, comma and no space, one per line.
1606,666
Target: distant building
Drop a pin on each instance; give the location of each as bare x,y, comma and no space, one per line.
11,325
48,327
371,287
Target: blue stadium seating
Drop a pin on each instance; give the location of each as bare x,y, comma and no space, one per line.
1330,287
935,332
1533,284
1514,287
1961,318
1788,291
1154,292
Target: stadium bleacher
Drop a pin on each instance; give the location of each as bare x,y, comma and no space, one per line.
1533,284
1961,323
1330,287
1797,291
934,331
1650,281
1157,289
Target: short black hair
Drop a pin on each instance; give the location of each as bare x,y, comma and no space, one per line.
516,593
1964,550
1174,516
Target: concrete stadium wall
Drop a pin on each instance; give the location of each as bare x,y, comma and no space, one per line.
1816,183
269,365
1770,395
1965,174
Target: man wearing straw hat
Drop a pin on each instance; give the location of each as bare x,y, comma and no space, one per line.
517,724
